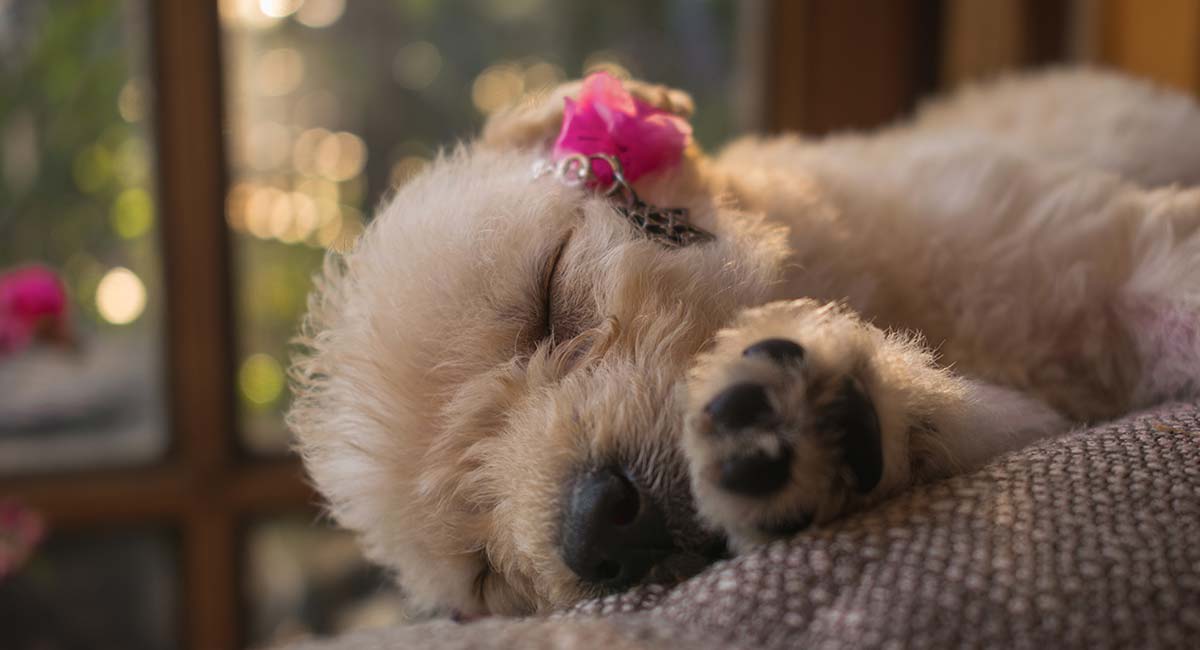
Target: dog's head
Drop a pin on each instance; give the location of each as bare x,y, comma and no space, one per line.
490,390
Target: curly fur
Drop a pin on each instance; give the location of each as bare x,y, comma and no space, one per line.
1019,257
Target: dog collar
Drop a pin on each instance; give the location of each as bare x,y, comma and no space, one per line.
670,227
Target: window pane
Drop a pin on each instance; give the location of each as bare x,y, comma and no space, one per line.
303,580
107,590
76,197
331,103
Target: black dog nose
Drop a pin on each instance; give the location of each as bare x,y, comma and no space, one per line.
740,406
612,535
779,350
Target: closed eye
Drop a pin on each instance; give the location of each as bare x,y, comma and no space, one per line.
548,314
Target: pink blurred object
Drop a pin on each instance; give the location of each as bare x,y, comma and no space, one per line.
21,530
33,306
607,119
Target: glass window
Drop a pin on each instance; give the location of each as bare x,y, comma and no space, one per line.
331,103
97,590
80,386
303,580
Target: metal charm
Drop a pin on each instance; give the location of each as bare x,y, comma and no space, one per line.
667,226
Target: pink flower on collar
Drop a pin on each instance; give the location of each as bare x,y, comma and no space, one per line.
33,304
607,119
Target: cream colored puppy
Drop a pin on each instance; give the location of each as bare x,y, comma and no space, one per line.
519,399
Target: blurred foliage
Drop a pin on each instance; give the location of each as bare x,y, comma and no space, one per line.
74,173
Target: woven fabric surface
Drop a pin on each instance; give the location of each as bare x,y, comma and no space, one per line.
1089,540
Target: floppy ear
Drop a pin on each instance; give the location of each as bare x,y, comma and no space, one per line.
535,121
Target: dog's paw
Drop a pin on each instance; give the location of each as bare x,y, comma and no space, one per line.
783,430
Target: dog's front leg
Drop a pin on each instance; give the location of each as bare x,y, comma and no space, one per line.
802,412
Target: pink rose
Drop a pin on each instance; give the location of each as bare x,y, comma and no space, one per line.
607,119
33,304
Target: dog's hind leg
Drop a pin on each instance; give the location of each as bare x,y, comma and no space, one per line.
1159,305
1147,134
1088,297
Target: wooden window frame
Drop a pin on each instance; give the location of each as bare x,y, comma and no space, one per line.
1159,41
835,65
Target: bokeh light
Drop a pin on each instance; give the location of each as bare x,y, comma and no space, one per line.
542,76
279,71
259,208
131,162
497,87
405,168
247,14
132,213
349,228
340,156
120,296
607,61
304,151
279,8
235,205
280,216
318,188
261,379
310,214
131,102
320,13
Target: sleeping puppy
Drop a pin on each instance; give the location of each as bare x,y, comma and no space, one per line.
518,397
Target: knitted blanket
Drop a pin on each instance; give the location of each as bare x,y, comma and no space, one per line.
1089,540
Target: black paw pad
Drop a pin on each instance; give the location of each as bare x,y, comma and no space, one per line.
740,406
781,351
853,415
757,474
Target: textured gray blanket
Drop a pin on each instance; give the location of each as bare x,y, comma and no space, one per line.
1089,540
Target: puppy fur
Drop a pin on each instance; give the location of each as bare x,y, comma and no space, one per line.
1019,258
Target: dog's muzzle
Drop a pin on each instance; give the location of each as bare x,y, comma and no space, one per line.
612,534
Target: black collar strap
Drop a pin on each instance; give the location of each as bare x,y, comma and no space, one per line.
669,227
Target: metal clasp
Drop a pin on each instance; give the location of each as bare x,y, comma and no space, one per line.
668,226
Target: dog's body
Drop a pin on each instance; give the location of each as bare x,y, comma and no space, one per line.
517,401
